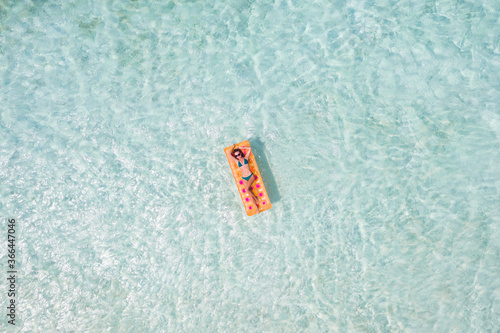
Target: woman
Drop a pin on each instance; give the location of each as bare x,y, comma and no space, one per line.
247,175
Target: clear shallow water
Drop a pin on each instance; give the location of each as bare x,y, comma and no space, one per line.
375,124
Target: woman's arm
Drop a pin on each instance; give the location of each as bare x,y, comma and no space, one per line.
248,152
230,154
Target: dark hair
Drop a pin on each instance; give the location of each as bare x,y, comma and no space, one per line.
238,150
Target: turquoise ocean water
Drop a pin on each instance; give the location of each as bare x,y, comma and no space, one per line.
376,126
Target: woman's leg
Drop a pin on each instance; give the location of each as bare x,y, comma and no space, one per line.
253,197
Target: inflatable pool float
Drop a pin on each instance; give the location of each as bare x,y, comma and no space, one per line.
257,187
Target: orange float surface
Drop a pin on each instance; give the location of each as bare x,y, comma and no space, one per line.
258,187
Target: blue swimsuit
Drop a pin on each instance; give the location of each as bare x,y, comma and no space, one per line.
245,161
